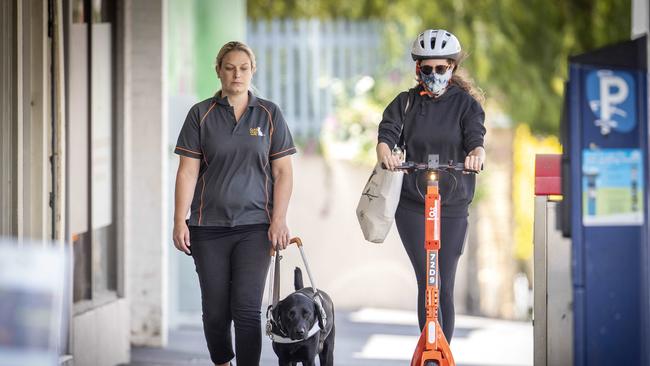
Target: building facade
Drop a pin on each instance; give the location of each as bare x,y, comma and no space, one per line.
83,130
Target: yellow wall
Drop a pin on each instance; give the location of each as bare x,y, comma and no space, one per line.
525,147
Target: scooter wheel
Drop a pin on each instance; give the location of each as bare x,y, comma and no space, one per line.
431,363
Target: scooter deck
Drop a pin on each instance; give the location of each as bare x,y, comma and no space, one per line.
438,357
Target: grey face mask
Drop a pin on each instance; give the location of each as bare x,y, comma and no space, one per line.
436,83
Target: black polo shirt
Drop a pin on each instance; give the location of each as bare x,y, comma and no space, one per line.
235,184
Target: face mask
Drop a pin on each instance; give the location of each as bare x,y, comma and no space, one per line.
435,82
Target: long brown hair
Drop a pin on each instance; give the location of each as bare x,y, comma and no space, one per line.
461,78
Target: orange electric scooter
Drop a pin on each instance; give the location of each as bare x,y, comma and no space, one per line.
432,348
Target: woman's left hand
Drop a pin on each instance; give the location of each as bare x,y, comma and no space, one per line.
279,234
475,159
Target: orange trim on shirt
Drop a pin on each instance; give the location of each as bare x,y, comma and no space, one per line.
206,163
206,113
266,192
202,189
266,164
205,160
277,153
201,205
270,121
190,151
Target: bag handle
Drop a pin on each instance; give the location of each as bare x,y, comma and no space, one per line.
402,139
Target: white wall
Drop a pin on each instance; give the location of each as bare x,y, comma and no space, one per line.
640,17
148,237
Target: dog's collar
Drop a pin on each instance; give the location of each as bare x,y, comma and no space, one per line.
319,301
280,339
283,338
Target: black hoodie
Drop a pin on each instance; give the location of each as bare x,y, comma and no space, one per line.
451,125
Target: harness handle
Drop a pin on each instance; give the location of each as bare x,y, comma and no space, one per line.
274,291
295,240
274,277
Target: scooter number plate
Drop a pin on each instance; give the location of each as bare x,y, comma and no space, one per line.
432,272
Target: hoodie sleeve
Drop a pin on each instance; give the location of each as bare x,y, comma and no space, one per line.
473,124
390,126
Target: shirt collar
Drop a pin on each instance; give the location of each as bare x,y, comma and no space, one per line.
252,99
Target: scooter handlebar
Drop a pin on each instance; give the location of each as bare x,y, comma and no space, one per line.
415,166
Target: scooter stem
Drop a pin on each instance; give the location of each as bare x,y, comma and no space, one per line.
432,348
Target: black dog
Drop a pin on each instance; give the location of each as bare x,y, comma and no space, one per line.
303,326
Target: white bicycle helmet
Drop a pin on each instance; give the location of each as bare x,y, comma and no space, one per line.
435,44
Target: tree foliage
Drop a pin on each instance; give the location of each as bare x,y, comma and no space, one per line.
517,49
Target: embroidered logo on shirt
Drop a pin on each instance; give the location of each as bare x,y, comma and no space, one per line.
257,131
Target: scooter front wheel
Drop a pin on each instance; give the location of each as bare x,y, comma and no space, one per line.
431,363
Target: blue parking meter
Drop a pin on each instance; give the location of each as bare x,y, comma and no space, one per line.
605,173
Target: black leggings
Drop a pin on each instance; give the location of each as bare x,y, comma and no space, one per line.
232,271
410,225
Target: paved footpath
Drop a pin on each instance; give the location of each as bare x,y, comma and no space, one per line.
373,337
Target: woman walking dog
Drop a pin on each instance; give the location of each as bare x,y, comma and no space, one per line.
446,118
235,178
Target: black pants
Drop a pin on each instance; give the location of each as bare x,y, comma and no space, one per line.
410,225
232,270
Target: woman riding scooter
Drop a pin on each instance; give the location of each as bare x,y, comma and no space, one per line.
445,118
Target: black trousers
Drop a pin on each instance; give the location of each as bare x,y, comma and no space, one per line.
232,271
410,225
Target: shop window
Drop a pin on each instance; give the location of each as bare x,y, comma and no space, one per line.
91,147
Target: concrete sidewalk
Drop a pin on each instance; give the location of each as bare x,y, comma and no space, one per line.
373,337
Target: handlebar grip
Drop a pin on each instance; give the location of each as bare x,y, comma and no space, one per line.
383,166
403,166
296,240
461,166
478,171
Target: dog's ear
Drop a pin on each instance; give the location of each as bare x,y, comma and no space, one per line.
276,312
319,315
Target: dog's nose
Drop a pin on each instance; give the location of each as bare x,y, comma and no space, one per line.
300,332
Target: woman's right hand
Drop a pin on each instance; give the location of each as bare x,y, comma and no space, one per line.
385,155
181,237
